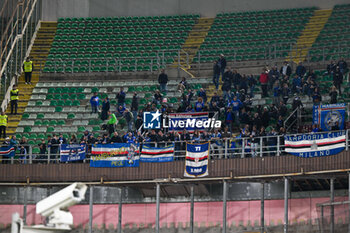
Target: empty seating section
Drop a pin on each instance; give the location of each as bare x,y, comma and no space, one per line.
333,41
64,107
253,35
117,44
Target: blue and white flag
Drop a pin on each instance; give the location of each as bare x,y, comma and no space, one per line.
197,157
115,155
328,115
157,154
315,145
7,151
72,152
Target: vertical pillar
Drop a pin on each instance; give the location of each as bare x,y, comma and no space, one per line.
224,206
332,207
285,228
25,205
192,210
262,207
120,210
91,199
157,207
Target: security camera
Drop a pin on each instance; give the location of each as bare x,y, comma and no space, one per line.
55,207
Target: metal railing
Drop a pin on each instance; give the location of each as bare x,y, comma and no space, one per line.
234,147
15,44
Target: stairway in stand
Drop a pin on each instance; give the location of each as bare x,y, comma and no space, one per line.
38,54
310,34
194,40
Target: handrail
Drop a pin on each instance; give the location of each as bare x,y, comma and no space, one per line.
290,116
220,149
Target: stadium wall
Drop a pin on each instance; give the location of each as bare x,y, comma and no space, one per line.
54,9
239,213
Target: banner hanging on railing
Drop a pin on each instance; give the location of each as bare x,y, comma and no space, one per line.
157,154
115,155
315,145
7,151
74,152
329,116
197,157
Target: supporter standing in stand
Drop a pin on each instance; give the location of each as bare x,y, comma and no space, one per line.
105,108
338,79
163,80
343,66
333,94
286,70
300,70
216,74
94,101
112,121
121,97
264,78
134,105
222,65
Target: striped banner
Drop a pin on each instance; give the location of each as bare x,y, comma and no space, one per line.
197,157
315,145
157,154
115,155
7,151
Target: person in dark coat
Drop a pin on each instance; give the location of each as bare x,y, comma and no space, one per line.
216,75
222,64
134,105
105,108
163,80
338,79
121,97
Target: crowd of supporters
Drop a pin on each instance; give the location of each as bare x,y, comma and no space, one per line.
234,107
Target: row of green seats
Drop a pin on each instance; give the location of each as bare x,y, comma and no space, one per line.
274,20
51,122
84,69
125,24
65,97
42,116
144,42
269,12
117,50
117,34
106,62
94,55
69,90
130,18
107,29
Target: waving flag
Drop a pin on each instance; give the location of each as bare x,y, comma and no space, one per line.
329,115
7,151
197,156
115,155
157,154
315,145
73,152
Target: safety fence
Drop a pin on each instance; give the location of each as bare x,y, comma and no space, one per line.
233,147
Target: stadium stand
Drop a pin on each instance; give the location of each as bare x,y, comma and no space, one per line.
247,35
334,40
117,44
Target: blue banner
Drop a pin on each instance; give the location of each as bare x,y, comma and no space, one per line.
328,116
315,145
115,155
197,156
74,152
7,151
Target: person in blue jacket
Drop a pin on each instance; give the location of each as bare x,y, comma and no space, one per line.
94,101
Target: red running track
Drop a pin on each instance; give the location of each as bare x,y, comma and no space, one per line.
206,213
